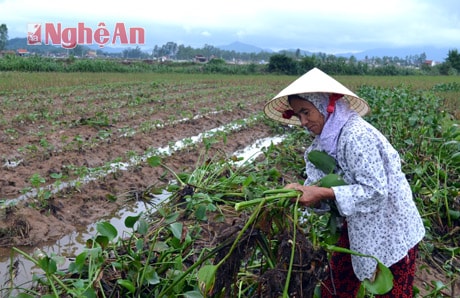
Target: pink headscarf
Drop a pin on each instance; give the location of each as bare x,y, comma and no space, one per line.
336,112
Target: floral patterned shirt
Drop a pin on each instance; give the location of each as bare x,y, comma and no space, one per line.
382,218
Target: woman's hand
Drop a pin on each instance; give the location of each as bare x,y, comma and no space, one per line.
311,195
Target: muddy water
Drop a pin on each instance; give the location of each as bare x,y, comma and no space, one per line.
68,246
74,243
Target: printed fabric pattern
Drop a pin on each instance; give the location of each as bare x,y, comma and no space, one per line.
344,285
377,203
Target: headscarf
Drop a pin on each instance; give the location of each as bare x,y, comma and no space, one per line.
334,121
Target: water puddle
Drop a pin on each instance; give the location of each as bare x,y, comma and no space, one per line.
68,246
71,245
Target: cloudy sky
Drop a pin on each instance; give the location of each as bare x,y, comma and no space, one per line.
330,26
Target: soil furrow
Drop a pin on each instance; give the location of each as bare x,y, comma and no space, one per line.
31,225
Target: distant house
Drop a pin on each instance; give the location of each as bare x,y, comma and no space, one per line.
200,58
22,52
430,62
7,52
91,54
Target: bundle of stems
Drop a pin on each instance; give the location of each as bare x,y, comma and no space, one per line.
271,196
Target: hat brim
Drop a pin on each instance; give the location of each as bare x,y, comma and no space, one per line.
314,81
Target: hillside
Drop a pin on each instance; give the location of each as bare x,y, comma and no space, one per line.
21,43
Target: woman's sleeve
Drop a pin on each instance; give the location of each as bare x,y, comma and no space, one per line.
364,170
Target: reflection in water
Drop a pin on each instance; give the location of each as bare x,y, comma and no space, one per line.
71,245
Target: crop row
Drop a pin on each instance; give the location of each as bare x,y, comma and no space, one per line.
49,123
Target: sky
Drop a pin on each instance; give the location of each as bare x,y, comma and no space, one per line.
328,26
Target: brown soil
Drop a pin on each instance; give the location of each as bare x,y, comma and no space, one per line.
79,207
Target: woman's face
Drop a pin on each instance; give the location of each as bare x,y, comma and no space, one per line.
310,117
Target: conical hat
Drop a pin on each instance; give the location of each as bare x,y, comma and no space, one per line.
313,81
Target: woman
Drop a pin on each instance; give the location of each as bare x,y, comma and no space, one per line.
380,216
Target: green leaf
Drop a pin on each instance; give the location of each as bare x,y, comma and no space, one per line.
455,158
170,217
383,282
56,175
79,284
193,294
52,267
127,285
90,293
331,180
207,277
173,188
78,264
183,176
454,214
248,180
107,229
211,207
111,197
160,246
176,229
151,275
361,292
200,212
175,242
178,263
438,285
156,190
24,295
36,180
154,161
130,221
103,241
143,227
413,120
452,142
322,161
139,244
48,265
274,174
409,142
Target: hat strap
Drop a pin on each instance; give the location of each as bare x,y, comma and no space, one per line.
332,99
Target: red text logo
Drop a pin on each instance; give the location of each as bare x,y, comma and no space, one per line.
34,34
70,37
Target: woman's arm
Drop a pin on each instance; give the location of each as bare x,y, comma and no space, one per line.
312,195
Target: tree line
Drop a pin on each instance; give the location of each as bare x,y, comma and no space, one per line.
295,63
283,62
